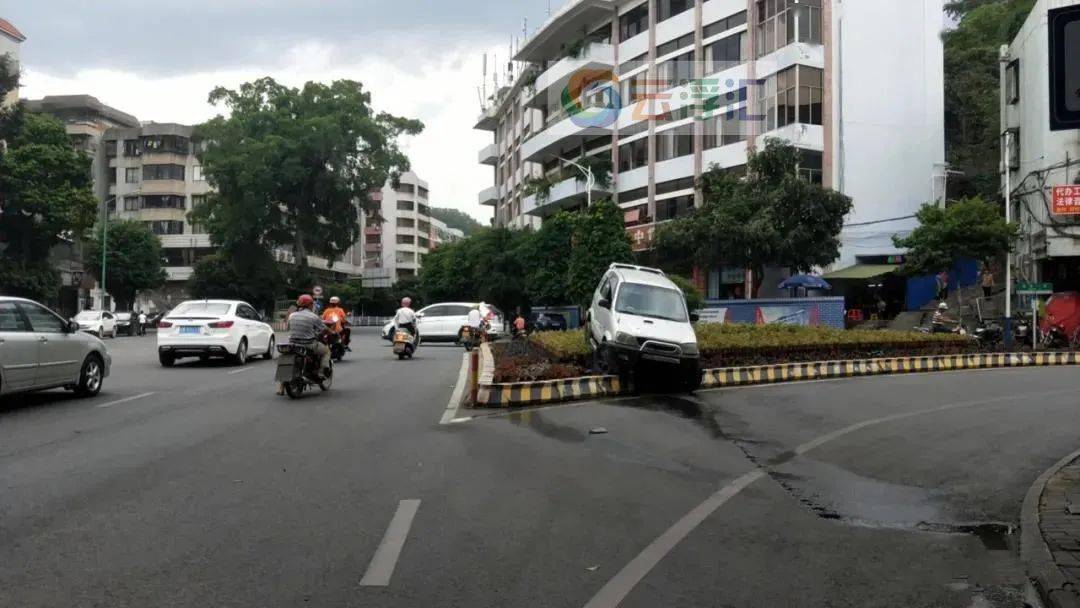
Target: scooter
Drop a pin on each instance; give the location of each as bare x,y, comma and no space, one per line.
470,338
1055,337
989,334
404,343
298,369
336,342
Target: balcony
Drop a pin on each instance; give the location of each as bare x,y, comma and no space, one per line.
489,119
574,16
372,230
560,135
489,155
809,137
567,194
489,196
548,88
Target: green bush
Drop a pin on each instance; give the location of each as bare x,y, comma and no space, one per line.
715,338
563,345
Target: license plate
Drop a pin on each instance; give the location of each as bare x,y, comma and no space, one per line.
188,330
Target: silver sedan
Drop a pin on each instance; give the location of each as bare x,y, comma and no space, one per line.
40,350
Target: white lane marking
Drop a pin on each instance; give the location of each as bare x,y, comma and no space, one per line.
126,400
239,371
615,590
386,556
450,415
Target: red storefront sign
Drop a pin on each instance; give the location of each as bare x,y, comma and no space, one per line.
1066,200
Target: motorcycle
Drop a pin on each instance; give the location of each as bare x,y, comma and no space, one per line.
298,368
470,338
404,343
989,334
1055,337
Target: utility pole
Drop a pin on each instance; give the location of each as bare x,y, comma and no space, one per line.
1006,151
104,246
590,179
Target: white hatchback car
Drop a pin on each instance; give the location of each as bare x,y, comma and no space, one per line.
97,322
444,321
214,328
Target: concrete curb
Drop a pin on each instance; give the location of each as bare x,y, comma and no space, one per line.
1035,553
820,370
490,394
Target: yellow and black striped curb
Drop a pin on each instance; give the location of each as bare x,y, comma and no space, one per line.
547,391
794,372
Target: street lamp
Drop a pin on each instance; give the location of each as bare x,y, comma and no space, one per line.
1006,151
104,245
590,179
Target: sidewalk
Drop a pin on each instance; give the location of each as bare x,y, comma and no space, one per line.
1059,523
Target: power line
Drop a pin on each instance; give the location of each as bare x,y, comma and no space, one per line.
893,219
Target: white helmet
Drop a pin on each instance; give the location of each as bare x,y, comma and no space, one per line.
943,306
335,300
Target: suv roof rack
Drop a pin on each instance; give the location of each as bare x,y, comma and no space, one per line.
638,268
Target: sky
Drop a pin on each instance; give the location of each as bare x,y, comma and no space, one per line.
159,60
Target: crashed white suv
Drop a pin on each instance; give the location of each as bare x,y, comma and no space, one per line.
638,317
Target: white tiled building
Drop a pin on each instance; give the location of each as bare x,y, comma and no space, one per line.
857,85
397,238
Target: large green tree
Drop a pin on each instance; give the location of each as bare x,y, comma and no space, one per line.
972,100
599,240
770,217
295,167
548,263
46,197
132,260
256,281
969,229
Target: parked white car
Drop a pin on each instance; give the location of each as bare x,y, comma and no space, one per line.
444,321
97,322
40,350
214,328
638,315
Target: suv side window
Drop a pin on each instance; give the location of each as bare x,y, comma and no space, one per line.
436,311
11,319
458,311
607,288
42,320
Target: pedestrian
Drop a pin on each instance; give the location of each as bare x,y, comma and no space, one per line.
987,282
943,285
142,323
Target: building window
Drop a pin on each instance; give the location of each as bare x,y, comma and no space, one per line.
131,175
406,206
132,148
163,201
634,63
810,167
685,183
792,95
675,143
723,25
404,222
722,129
634,22
677,72
198,199
110,148
158,172
161,228
197,174
666,9
111,175
165,144
1012,82
424,242
406,239
1012,143
673,208
424,227
405,189
423,192
727,53
423,209
634,155
783,22
132,203
670,47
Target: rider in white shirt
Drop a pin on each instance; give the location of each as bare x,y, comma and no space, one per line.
405,318
475,319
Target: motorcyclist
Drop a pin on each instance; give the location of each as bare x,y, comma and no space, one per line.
405,318
942,322
336,314
305,327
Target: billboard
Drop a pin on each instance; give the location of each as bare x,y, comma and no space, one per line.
1066,200
1064,36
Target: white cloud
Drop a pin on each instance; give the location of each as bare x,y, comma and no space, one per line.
438,88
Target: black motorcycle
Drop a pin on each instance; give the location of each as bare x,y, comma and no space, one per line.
989,334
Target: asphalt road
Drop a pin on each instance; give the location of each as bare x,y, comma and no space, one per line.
197,486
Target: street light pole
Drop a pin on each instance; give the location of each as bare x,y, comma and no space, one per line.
104,246
590,179
1003,63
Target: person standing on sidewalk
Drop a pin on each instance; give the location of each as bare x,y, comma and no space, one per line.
943,285
987,282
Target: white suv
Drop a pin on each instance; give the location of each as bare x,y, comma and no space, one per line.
638,315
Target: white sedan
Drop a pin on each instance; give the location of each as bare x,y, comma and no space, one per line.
444,321
97,322
214,328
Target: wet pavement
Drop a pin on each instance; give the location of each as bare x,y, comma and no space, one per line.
1059,522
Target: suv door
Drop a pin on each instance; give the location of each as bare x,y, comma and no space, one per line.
456,318
59,352
18,350
601,318
432,321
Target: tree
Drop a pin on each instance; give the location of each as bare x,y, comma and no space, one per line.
218,276
970,229
295,167
133,260
456,219
972,121
549,266
772,217
694,299
599,239
46,197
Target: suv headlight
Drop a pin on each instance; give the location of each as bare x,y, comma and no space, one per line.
624,338
690,348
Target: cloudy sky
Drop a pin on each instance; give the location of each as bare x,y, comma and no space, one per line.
159,60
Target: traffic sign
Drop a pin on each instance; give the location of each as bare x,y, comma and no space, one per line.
1037,289
317,291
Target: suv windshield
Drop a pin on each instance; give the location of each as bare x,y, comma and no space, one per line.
651,301
200,308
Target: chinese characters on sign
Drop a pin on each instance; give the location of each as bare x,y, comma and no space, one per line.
641,237
1066,200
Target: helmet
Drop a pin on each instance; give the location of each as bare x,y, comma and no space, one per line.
335,300
305,301
943,306
406,302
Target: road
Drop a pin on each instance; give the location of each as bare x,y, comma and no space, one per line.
197,486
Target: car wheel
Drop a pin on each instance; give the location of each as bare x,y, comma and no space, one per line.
240,358
271,350
91,377
692,379
166,359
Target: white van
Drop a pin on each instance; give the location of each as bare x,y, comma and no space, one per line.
639,316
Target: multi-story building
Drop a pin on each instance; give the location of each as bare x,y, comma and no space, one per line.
1037,159
10,39
679,86
399,234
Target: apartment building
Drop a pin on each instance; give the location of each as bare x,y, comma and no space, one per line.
1036,160
10,39
399,233
680,86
